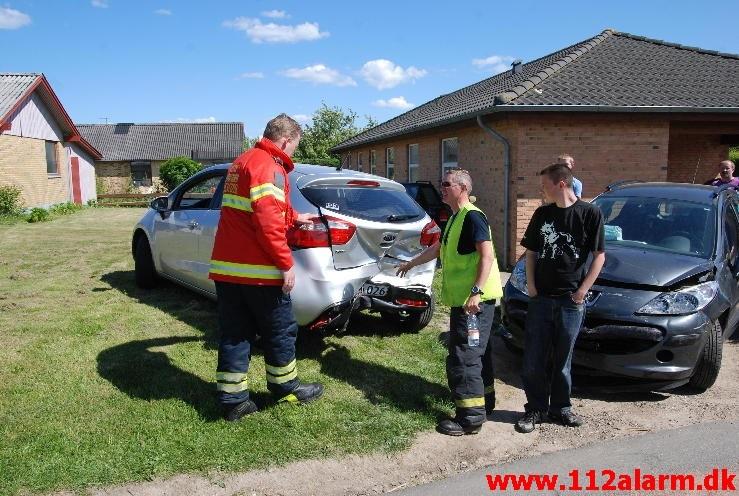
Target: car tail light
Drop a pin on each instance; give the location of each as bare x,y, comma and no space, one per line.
340,231
411,303
363,183
317,235
430,234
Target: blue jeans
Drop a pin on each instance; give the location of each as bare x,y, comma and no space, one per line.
552,326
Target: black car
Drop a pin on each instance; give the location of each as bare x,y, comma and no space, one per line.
429,198
668,295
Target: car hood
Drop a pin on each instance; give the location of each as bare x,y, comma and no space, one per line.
648,267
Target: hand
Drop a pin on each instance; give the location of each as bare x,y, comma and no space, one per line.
289,280
579,296
532,291
305,218
473,304
404,268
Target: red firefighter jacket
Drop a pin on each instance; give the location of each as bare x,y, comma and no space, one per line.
250,244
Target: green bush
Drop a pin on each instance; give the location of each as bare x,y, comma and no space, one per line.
11,202
65,208
177,169
38,215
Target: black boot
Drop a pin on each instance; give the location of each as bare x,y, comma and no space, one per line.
489,403
452,427
232,413
304,393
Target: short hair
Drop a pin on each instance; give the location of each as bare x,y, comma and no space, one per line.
557,173
461,176
731,163
565,159
282,126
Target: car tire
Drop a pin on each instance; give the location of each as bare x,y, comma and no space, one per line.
709,362
414,322
146,273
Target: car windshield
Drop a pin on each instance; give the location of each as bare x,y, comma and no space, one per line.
659,224
375,204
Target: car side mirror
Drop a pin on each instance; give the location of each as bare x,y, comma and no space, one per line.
161,205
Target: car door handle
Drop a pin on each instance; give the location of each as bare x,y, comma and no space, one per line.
192,224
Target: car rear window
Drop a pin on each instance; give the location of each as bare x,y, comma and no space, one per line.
375,204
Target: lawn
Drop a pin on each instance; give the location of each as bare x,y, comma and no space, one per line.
103,383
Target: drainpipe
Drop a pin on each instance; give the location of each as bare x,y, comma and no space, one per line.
506,183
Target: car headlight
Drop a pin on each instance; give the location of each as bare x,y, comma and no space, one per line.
683,301
518,277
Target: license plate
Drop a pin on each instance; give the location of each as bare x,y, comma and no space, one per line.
374,289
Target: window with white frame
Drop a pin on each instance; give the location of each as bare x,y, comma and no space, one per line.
390,162
373,162
448,155
413,163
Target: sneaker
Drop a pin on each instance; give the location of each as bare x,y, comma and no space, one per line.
489,403
451,427
232,413
528,422
304,393
566,418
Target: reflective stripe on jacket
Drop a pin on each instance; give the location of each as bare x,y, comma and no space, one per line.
460,271
250,245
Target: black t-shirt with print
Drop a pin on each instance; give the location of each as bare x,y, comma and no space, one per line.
563,238
474,230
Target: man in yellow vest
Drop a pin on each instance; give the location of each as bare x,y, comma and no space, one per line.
470,284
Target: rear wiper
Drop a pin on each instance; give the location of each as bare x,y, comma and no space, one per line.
398,218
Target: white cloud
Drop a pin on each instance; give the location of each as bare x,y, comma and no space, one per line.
398,102
163,12
383,74
101,4
495,63
276,33
197,120
302,119
320,74
275,14
13,19
251,75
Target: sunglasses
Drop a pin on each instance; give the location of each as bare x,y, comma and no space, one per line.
446,184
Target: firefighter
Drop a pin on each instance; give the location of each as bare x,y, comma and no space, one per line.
470,284
252,267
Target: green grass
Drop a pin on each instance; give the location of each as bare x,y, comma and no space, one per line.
103,383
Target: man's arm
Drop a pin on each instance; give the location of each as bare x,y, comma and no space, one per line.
430,253
599,258
531,257
485,249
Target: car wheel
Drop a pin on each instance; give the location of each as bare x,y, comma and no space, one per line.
709,362
413,322
146,273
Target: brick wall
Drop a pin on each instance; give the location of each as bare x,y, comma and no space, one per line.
23,164
694,157
606,148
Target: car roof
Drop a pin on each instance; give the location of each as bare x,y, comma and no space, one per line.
696,193
307,169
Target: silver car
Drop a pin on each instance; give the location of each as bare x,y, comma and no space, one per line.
344,262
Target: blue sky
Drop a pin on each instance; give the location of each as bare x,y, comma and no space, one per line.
248,60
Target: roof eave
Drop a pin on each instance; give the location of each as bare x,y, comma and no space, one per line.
544,108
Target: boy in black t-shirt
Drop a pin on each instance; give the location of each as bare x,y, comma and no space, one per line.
558,240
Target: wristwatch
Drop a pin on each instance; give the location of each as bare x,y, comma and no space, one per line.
475,290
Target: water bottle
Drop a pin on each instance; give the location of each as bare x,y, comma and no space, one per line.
473,330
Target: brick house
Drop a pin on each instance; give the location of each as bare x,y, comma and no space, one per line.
625,106
133,153
41,150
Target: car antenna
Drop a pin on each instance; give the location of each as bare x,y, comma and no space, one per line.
696,167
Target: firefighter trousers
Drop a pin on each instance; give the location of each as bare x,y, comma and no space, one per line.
470,368
246,312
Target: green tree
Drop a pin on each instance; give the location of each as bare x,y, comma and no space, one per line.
250,142
329,127
177,169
